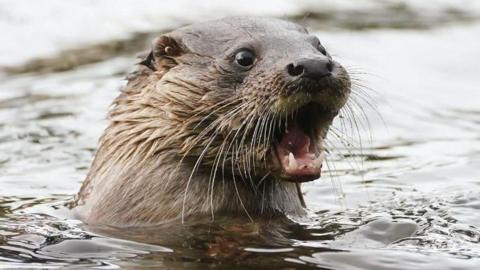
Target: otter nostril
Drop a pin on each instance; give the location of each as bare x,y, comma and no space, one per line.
294,70
314,68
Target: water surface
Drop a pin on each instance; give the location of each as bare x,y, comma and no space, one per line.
401,190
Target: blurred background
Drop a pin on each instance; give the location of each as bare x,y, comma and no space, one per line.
402,186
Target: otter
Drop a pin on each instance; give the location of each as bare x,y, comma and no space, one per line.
225,116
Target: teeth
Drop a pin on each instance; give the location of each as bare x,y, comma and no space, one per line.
315,161
292,162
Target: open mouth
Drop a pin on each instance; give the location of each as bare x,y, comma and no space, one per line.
298,147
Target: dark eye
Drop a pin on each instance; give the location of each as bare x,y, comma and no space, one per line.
321,49
245,58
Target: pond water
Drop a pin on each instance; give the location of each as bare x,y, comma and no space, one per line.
401,189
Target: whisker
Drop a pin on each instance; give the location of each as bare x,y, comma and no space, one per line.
195,167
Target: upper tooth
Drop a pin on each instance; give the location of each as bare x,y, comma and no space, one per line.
292,161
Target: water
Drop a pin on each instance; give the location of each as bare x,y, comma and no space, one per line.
408,198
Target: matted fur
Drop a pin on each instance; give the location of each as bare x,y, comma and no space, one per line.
190,134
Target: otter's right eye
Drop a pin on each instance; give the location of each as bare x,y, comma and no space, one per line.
245,58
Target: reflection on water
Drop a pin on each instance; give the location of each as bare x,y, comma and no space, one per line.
417,233
409,198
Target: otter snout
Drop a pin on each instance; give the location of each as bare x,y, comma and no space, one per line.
313,68
315,78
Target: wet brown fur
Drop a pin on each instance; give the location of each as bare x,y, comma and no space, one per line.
182,142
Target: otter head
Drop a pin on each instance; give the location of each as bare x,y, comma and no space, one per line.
251,98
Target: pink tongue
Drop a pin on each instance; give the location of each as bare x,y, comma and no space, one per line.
295,153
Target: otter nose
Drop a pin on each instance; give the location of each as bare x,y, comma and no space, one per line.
313,68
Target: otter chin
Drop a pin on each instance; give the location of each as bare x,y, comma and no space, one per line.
220,117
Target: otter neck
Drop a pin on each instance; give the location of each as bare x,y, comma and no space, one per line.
149,190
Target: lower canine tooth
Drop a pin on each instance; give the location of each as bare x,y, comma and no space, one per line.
291,160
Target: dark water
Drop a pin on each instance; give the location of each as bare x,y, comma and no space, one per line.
401,190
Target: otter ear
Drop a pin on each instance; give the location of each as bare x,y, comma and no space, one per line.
163,53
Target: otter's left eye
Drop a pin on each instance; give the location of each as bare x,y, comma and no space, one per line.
245,58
